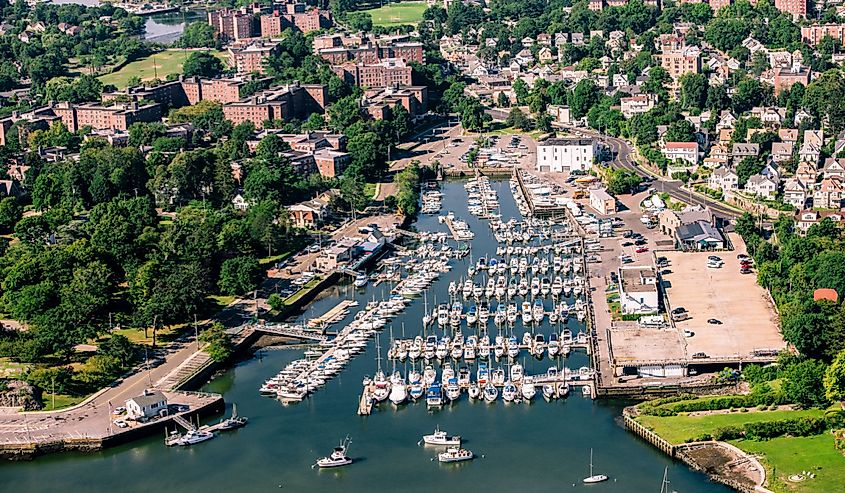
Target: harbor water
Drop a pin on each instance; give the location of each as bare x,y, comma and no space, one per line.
538,446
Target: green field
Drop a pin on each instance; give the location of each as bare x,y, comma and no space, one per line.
62,401
398,13
785,456
162,64
683,428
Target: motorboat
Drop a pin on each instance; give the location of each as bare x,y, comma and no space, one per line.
190,437
549,392
361,280
554,345
453,390
232,422
539,346
509,392
434,395
498,376
429,375
516,372
440,437
594,478
338,456
528,390
526,313
538,311
482,375
455,454
513,347
463,376
398,391
472,315
473,391
491,393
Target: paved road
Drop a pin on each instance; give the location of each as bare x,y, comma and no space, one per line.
623,151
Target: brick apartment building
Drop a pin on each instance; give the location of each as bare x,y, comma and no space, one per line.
680,62
282,103
371,53
787,77
379,103
249,58
118,116
187,90
813,35
389,72
296,17
797,8
233,25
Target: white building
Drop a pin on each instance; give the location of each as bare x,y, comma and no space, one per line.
602,202
638,290
565,155
635,105
683,151
151,403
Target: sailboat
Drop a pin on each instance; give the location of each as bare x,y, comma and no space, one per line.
664,486
594,478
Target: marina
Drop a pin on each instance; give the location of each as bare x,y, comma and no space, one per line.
308,428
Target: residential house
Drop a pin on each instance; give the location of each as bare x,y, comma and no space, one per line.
810,152
723,179
788,135
782,151
762,186
829,194
742,150
726,120
681,155
699,235
310,213
801,116
805,219
545,55
240,203
770,116
839,144
795,193
635,105
150,404
833,167
720,151
814,136
806,173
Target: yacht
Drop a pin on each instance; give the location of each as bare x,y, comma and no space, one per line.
382,387
190,437
440,437
472,315
594,478
232,422
538,311
528,389
491,393
526,313
509,391
513,347
549,392
483,313
455,454
512,287
453,391
511,313
429,375
539,346
463,376
434,396
416,390
517,372
361,280
474,391
398,391
482,375
498,376
338,457
554,345
545,286
557,286
429,348
442,314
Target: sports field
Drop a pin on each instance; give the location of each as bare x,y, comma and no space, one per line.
161,64
397,14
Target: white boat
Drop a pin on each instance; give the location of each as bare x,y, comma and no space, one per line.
455,454
361,280
491,393
528,389
440,437
434,396
549,392
498,376
190,437
474,391
509,392
453,390
516,372
398,391
338,457
594,478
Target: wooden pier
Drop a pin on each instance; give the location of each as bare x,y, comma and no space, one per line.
331,316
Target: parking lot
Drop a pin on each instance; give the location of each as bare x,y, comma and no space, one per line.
748,320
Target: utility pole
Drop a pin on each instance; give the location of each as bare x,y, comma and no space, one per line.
196,332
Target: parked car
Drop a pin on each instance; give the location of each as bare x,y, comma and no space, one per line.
640,242
700,355
627,244
642,249
688,333
121,423
745,270
714,321
119,410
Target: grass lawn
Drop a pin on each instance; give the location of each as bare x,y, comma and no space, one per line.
683,428
785,456
62,401
11,369
295,296
398,13
162,63
370,190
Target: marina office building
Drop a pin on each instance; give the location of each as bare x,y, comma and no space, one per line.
565,155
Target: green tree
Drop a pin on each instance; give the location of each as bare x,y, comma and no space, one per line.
202,64
834,379
352,191
804,383
680,131
694,89
239,275
359,21
10,213
216,343
518,119
197,34
583,97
